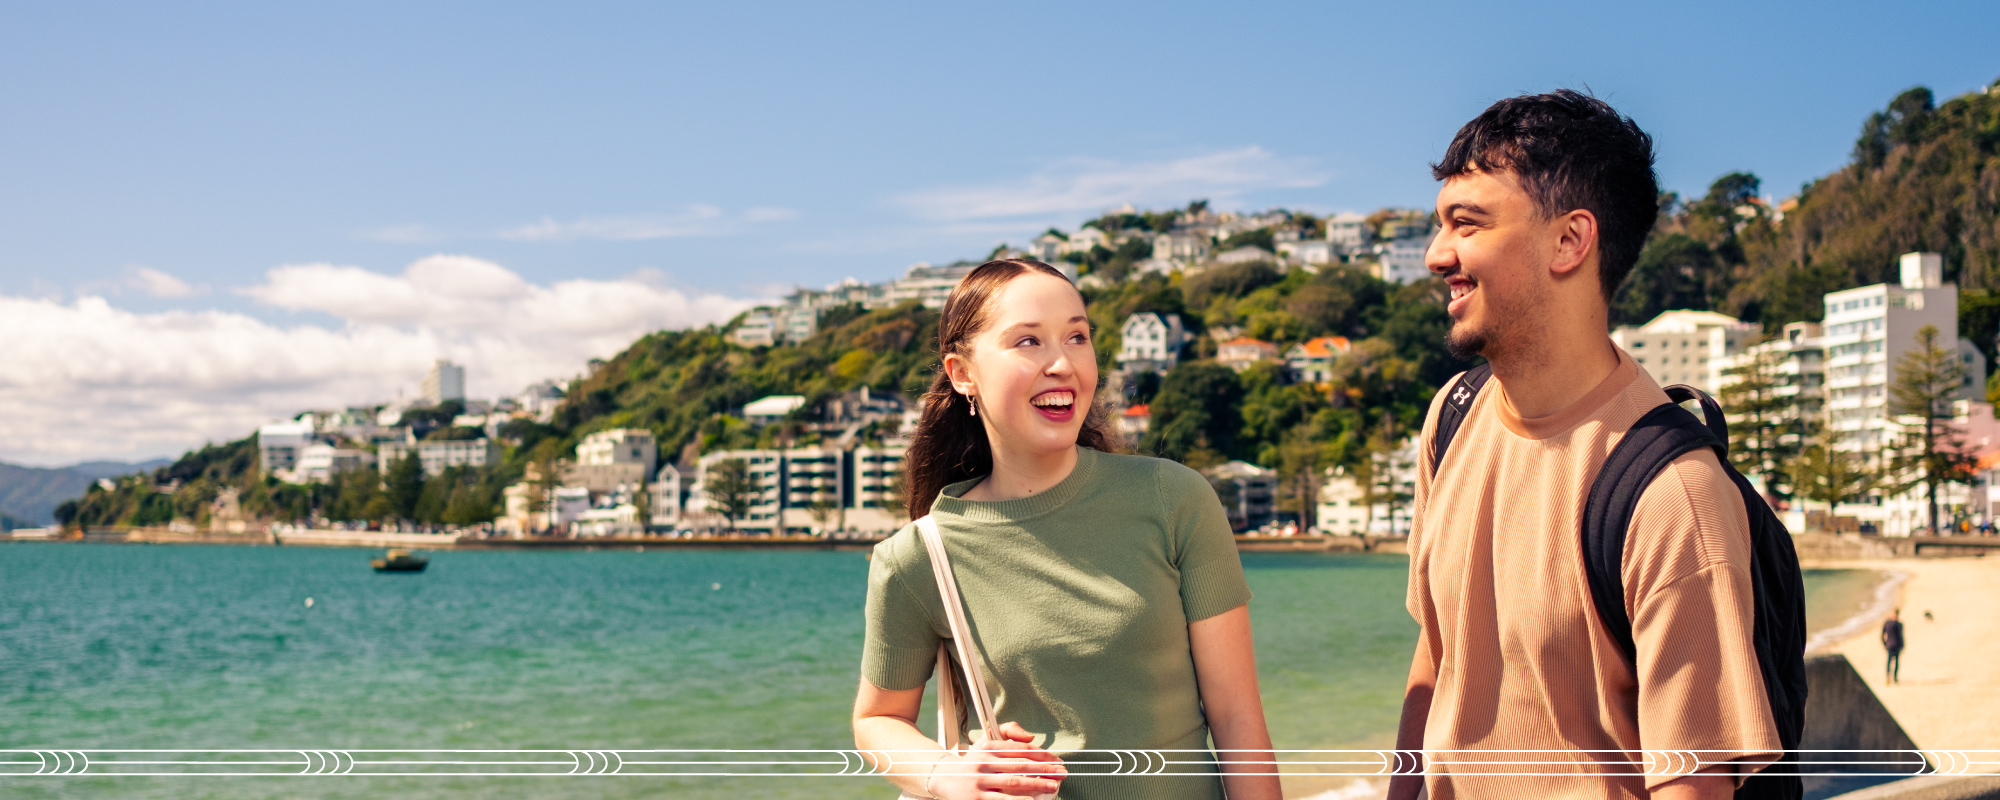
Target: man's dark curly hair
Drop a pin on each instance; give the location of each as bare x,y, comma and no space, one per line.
1570,151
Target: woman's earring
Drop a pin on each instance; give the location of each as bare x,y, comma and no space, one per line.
973,403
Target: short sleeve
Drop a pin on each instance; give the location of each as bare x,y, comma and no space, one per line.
900,648
1687,586
1211,571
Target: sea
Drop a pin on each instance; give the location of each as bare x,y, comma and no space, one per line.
110,646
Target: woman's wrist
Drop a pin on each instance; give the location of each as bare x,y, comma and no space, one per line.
928,791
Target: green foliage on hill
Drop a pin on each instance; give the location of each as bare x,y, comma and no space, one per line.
1923,177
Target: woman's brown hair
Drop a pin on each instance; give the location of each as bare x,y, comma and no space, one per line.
950,444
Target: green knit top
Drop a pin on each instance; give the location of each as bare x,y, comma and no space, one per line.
1079,600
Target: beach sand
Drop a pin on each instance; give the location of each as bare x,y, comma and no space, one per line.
1949,697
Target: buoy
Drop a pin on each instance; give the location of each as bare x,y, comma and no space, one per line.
309,602
716,587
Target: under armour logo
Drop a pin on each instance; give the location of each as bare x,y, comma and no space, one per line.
1459,397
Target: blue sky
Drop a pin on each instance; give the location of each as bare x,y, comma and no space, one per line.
175,159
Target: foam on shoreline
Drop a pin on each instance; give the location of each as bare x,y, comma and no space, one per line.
1886,594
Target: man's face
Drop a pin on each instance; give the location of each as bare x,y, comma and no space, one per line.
1493,251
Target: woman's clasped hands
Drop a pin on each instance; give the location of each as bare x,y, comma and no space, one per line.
999,766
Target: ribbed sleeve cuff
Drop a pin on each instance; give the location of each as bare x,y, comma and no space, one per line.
898,668
1201,602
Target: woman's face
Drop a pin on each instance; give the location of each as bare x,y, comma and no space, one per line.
1033,369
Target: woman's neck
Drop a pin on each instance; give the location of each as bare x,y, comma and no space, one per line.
1018,475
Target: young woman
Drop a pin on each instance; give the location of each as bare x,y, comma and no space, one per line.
1104,593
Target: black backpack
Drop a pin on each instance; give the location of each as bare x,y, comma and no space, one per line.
1662,435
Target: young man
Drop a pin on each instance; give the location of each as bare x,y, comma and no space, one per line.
1546,202
1892,641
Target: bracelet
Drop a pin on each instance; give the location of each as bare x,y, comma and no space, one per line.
928,777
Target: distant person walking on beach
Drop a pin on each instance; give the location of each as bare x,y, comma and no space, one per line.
1546,201
1106,601
1892,641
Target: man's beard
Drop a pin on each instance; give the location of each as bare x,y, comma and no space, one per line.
1464,343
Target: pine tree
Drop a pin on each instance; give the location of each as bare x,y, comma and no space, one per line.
1757,419
730,490
1824,473
1932,453
404,486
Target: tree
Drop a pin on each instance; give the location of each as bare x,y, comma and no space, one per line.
1386,468
1198,407
1758,444
404,486
822,510
1928,379
730,490
1299,460
1823,472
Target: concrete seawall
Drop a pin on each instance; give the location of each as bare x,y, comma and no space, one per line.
1842,713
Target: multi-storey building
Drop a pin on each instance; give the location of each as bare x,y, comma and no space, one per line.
859,483
606,460
279,445
445,381
1683,346
437,456
1349,232
1867,331
1247,492
322,463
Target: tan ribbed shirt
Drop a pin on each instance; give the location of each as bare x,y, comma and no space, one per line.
1520,658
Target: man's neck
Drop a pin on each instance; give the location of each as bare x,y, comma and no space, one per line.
1545,379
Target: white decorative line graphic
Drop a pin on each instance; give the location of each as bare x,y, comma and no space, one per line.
725,763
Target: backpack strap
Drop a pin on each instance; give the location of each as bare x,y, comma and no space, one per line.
1456,404
1665,433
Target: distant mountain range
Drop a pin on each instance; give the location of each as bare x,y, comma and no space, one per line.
29,495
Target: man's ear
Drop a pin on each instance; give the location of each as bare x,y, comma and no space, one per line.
1576,241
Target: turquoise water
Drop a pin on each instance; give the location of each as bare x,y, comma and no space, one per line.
123,646
110,646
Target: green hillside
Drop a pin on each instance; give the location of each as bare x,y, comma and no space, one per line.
1923,176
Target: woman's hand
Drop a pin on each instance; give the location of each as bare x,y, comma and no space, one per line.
1001,765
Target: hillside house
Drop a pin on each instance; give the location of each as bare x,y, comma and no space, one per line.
1149,341
1243,352
1311,361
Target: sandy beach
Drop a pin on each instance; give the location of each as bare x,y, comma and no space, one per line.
1949,697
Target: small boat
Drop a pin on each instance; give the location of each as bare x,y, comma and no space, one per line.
399,560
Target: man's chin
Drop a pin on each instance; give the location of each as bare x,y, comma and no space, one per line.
1463,343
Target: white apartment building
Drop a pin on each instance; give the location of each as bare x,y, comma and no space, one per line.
1180,246
859,483
1343,509
1685,346
445,381
279,444
322,463
1149,341
437,456
1402,260
930,285
1309,251
1801,369
1349,232
667,488
759,328
607,460
1248,493
1867,330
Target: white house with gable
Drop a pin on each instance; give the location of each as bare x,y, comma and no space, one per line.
1150,341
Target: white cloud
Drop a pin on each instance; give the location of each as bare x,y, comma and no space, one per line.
157,283
1090,185
87,379
695,220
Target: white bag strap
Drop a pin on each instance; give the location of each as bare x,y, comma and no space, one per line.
961,632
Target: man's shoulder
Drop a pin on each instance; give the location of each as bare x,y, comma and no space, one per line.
1694,507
